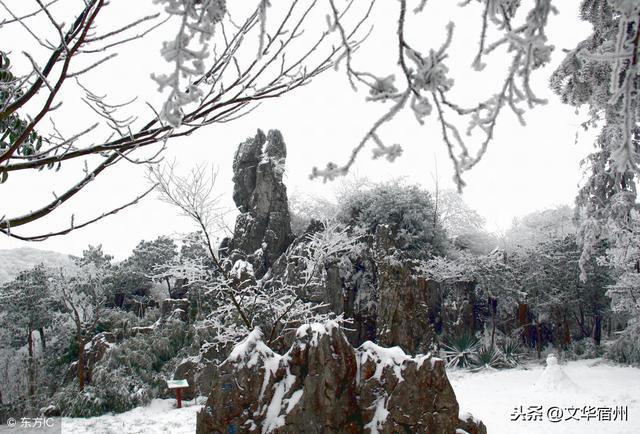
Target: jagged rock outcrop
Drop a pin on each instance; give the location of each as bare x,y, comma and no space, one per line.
94,352
174,308
348,285
404,299
199,370
263,229
324,385
459,312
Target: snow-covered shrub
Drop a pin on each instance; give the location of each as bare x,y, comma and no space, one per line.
626,349
407,209
145,353
120,322
131,373
460,350
583,349
111,391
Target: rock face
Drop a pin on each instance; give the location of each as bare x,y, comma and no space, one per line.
324,385
94,352
174,308
348,285
199,370
405,300
263,229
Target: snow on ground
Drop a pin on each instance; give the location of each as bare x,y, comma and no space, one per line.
496,397
493,396
160,416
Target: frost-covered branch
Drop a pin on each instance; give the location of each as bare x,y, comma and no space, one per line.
215,77
427,84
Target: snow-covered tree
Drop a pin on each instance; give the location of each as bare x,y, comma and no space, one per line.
82,296
455,215
154,258
407,209
26,307
538,227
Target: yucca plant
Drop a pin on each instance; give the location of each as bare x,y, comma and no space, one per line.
488,357
512,352
459,350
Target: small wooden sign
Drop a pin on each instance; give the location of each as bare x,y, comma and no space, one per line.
178,385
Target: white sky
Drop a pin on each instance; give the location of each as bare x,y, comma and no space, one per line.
526,168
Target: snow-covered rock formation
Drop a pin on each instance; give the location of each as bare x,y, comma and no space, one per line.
263,229
323,384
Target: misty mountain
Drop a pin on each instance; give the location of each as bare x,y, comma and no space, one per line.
12,261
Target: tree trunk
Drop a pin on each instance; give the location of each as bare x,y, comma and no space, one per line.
538,339
493,303
597,330
43,342
168,287
566,338
523,310
30,367
81,363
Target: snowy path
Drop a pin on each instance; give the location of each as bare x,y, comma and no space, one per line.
493,395
158,417
490,395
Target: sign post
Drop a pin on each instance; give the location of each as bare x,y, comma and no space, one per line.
178,385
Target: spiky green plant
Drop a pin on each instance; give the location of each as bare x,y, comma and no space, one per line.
512,352
459,350
488,357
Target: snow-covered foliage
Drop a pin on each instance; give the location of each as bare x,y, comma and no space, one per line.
29,322
456,217
626,349
130,374
540,226
274,303
407,209
601,73
304,209
198,20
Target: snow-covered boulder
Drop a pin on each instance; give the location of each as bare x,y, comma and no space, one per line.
323,384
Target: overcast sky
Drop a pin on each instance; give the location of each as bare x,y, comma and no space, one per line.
526,168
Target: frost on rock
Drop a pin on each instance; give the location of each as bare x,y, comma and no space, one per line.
392,357
241,267
251,351
323,384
